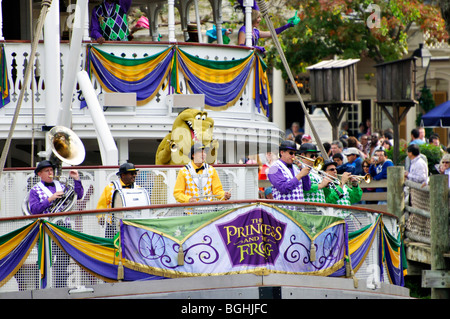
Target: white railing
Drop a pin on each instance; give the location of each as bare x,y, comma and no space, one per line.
66,273
159,181
17,59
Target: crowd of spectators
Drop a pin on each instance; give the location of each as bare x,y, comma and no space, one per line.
370,151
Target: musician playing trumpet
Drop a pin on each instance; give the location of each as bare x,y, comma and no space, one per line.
289,181
352,193
44,194
315,194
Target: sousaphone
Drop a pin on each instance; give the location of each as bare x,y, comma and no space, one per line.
66,148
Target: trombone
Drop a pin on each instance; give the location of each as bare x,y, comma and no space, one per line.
318,162
318,165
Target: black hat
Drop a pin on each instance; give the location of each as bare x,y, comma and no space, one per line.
44,164
195,148
125,168
288,145
308,148
327,163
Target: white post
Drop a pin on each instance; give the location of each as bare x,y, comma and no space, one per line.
199,26
171,14
1,22
248,4
170,183
219,32
108,148
230,140
86,21
52,64
219,23
123,150
72,64
279,108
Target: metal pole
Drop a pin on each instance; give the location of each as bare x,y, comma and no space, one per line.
199,26
45,7
265,14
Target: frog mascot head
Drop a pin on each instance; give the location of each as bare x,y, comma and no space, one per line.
190,126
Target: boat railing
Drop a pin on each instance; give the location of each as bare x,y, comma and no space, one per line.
65,272
159,181
34,103
418,215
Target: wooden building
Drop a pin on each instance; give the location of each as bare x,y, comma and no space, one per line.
334,87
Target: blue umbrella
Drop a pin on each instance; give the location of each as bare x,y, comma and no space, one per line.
438,117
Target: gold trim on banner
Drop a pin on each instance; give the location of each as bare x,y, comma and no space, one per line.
182,241
260,271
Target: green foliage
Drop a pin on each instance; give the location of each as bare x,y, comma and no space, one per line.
426,103
414,284
345,29
433,154
401,156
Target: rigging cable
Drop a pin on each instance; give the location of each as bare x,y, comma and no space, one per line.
44,10
265,14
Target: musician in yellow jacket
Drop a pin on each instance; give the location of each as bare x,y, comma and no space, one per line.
198,180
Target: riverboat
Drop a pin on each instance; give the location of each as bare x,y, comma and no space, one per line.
237,249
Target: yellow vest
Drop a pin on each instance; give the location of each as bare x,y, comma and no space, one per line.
198,184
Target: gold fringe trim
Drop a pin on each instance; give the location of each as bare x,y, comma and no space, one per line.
261,271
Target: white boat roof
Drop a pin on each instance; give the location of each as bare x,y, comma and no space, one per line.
330,64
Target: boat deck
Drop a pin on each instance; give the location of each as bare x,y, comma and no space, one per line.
243,286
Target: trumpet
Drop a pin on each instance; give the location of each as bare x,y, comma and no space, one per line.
366,178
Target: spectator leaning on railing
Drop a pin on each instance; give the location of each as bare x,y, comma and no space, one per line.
418,170
378,168
354,159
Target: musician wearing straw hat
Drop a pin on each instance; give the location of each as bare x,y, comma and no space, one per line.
350,194
45,194
198,180
127,179
315,194
288,180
